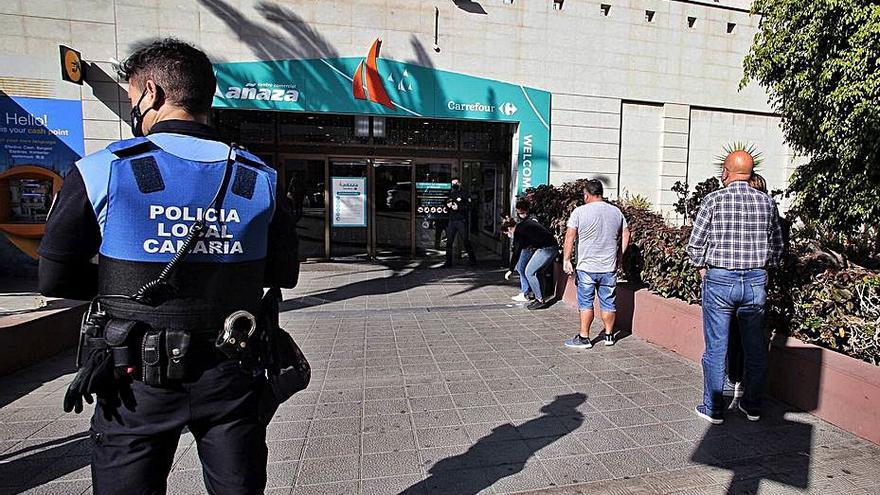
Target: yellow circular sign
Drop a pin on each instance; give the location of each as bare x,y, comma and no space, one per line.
73,66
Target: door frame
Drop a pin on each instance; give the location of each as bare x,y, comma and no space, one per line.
371,247
282,173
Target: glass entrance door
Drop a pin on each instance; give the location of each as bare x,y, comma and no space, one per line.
432,186
349,211
305,184
392,207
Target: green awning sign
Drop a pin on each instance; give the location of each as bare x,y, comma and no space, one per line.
328,85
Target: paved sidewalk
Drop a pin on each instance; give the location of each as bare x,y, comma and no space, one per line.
433,382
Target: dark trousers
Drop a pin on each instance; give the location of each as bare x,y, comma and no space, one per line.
735,357
134,447
458,227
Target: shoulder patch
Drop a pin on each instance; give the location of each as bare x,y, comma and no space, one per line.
147,175
244,182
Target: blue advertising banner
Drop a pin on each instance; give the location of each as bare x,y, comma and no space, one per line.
40,131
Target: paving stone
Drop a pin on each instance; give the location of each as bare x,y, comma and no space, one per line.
343,488
433,419
428,404
470,481
59,488
332,446
328,470
634,462
383,393
630,417
442,437
518,477
610,402
485,414
339,410
388,442
386,406
281,474
575,469
647,435
286,450
409,484
390,464
287,430
343,426
386,423
606,440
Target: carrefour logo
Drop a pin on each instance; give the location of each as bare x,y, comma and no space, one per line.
505,108
261,92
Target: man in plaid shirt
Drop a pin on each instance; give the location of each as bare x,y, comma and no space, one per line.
736,235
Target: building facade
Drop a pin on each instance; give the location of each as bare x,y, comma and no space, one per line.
367,108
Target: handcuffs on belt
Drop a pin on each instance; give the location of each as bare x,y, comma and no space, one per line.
237,330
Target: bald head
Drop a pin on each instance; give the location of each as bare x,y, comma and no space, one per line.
738,166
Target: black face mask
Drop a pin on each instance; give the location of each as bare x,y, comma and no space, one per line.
137,118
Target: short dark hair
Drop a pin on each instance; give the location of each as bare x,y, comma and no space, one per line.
182,71
507,223
594,187
523,204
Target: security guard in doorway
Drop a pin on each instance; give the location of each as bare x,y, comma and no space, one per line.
458,203
187,232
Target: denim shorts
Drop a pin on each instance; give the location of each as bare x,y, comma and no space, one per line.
586,290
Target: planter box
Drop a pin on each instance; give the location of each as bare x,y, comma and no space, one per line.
29,338
837,388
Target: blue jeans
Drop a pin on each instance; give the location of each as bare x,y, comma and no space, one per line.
524,256
725,293
587,282
540,258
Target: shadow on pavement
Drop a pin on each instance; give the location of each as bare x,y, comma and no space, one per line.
502,453
774,448
39,464
404,276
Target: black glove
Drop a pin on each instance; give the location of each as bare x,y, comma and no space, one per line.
94,376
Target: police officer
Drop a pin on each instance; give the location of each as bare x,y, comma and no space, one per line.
458,204
173,199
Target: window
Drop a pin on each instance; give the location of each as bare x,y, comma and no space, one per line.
691,21
649,15
557,4
605,8
730,27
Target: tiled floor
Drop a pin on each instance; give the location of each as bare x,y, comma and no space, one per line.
432,382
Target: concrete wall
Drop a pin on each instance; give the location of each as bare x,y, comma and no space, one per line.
641,151
590,61
712,130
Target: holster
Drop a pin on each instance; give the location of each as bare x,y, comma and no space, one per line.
176,347
152,353
121,338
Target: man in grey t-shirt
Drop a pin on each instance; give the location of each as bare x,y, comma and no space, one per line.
602,236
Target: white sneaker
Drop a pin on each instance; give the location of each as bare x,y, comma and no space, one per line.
520,297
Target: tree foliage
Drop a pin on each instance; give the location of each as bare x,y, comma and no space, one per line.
818,60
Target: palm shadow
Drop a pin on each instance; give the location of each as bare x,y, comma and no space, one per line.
502,453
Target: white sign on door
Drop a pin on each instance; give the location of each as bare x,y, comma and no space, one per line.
349,201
